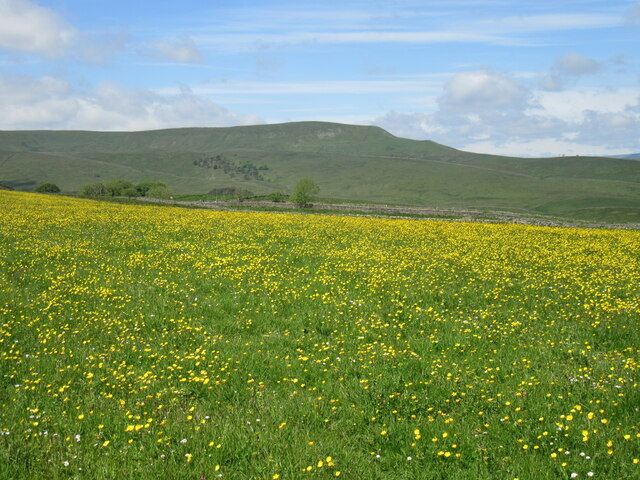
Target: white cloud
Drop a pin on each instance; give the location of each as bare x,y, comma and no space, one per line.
568,68
51,103
576,64
481,90
267,41
183,50
490,112
572,105
546,22
27,27
259,29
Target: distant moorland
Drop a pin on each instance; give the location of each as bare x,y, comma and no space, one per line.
357,163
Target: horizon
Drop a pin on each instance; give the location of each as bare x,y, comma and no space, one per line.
540,79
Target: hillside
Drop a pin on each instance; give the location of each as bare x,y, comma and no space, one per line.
362,163
630,156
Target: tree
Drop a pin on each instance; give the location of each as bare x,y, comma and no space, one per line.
161,192
304,193
116,188
97,189
130,192
48,188
144,187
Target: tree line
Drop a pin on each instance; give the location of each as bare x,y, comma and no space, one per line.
125,188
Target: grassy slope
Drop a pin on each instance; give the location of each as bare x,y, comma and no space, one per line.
351,162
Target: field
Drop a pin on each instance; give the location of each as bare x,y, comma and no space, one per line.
158,342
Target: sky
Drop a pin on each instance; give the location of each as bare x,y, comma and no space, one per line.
525,78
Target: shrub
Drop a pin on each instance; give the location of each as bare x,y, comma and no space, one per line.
159,191
278,197
304,193
116,188
97,189
144,187
48,188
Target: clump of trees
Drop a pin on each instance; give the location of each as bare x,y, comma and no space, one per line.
48,188
124,188
231,192
247,169
304,193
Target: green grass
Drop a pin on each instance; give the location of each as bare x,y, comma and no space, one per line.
354,163
161,342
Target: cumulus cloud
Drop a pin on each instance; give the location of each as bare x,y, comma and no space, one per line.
52,103
183,50
27,27
481,90
490,112
568,68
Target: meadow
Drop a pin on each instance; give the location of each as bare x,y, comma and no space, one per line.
159,342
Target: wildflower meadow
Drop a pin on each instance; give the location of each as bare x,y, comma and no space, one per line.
162,342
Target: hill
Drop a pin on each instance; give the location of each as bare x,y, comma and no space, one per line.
362,163
630,156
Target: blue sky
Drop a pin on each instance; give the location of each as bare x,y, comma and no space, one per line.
529,78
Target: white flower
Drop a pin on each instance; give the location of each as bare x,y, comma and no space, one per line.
65,463
184,440
77,437
409,458
574,475
589,474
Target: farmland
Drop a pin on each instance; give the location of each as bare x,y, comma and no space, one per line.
158,342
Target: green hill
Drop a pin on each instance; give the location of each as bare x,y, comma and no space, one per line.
362,163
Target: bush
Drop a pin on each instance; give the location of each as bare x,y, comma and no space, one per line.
116,188
97,189
48,188
144,187
278,197
304,193
160,191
